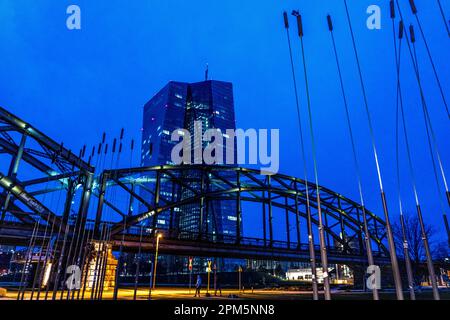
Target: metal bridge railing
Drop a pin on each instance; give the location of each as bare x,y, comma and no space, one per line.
207,238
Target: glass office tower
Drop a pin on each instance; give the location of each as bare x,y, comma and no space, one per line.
177,106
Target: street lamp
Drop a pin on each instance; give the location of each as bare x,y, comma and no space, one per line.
239,279
159,236
208,270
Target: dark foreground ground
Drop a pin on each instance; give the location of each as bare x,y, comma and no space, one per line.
183,293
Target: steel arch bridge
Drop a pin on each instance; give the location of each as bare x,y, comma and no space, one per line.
36,170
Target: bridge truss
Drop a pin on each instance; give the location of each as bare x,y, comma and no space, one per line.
276,196
53,200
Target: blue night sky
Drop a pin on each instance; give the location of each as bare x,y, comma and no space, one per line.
73,85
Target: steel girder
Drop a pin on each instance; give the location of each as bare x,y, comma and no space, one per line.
25,144
343,217
48,160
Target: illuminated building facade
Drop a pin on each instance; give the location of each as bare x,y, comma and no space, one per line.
177,106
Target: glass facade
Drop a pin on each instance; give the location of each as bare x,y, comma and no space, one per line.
177,106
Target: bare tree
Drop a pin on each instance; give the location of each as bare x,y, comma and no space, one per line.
441,251
414,238
416,249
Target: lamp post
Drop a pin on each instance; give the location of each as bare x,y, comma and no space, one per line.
208,270
215,279
190,273
159,236
239,279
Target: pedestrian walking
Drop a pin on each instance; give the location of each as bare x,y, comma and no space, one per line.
198,285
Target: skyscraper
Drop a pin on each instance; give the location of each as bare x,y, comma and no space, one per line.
177,106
